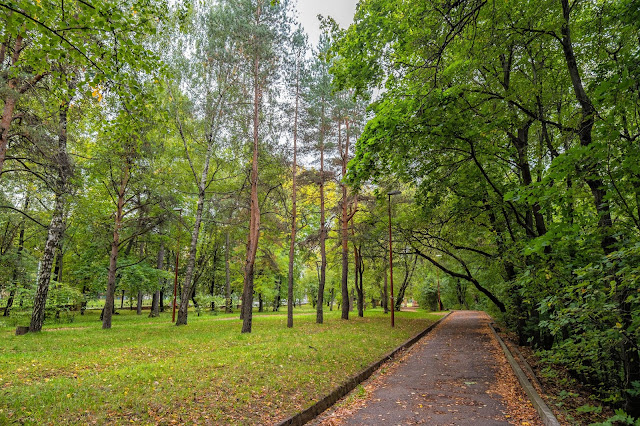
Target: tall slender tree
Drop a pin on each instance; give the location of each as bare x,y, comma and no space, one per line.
218,79
299,52
263,30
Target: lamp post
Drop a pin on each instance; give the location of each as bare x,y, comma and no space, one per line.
390,193
175,280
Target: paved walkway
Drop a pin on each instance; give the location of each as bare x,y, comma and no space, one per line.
453,376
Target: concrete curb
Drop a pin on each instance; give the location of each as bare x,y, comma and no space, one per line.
312,412
547,416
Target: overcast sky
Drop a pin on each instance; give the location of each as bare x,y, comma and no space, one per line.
340,10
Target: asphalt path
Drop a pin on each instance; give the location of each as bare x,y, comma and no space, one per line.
456,375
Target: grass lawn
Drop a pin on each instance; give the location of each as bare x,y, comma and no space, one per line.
146,370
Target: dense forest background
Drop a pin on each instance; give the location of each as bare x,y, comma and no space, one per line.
141,136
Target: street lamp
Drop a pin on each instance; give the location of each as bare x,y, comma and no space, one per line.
175,280
390,193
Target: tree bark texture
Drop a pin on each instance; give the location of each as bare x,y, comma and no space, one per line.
359,272
57,225
294,206
155,303
385,288
9,105
187,288
115,245
344,153
227,274
323,230
408,273
254,219
17,269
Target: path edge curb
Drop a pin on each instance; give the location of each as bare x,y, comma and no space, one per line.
323,404
546,415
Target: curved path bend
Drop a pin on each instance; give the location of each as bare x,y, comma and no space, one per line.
456,375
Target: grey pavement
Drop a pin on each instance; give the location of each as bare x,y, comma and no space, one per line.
447,379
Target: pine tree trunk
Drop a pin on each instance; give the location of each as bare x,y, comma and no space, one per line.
293,208
254,219
323,230
352,300
9,105
344,226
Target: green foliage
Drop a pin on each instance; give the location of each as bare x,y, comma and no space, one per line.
621,418
482,114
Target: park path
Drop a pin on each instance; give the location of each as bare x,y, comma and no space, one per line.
456,375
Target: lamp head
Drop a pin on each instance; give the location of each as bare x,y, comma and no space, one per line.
394,192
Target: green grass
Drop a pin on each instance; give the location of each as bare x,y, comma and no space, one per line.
145,370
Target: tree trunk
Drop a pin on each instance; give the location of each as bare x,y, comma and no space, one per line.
344,221
139,303
16,269
323,231
358,267
408,273
212,289
115,244
359,284
155,303
9,105
56,227
277,298
57,269
193,298
352,300
227,273
187,288
293,206
254,219
332,298
521,142
385,291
